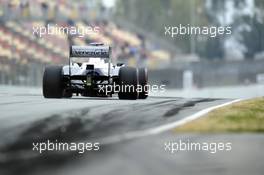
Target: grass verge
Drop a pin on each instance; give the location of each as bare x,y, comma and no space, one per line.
244,116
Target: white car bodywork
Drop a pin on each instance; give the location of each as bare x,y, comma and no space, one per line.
100,67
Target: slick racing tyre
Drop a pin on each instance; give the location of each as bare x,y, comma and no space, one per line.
142,81
53,82
128,80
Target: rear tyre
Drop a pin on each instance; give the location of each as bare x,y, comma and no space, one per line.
128,80
143,81
52,82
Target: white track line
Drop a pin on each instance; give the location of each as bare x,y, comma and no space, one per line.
162,128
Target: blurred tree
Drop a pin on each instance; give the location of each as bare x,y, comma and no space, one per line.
214,46
254,39
246,19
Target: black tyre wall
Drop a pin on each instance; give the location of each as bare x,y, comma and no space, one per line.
53,82
128,81
143,81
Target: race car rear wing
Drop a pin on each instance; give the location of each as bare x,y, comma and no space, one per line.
94,50
90,51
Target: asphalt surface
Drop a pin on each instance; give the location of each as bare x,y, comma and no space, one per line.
27,118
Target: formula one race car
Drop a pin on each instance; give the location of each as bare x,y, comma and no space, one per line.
91,73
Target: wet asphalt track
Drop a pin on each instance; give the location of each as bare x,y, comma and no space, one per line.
28,117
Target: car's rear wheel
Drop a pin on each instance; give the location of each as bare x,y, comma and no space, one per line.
143,81
53,82
128,81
